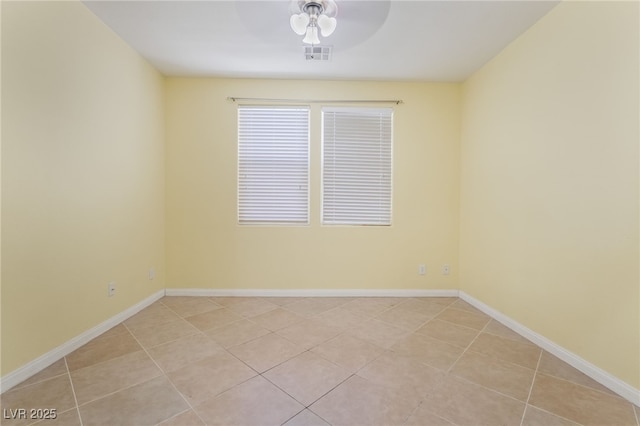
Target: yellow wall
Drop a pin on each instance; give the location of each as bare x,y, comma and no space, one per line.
549,183
207,249
82,176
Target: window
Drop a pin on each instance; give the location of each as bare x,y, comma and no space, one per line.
356,166
273,165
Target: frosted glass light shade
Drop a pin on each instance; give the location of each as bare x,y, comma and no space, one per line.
299,23
312,36
327,25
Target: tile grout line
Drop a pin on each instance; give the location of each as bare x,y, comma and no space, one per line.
166,377
455,323
319,416
463,379
20,386
448,342
484,387
376,315
117,390
430,412
342,331
448,371
179,414
412,329
483,329
572,422
535,375
467,348
587,387
528,342
422,401
262,375
213,304
296,414
467,311
431,319
306,407
258,373
73,390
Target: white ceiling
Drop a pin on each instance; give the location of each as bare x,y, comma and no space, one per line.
374,40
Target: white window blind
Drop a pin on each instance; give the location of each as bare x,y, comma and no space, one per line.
273,165
356,166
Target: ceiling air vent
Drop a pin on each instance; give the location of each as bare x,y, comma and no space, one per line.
317,53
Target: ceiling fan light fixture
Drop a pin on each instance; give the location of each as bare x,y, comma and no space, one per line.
299,23
309,15
327,25
312,36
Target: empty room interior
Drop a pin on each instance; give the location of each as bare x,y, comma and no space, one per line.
490,276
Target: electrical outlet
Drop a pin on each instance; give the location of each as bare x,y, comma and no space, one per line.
445,270
422,269
111,289
152,273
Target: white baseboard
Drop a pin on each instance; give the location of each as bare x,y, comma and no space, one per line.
42,362
309,293
616,385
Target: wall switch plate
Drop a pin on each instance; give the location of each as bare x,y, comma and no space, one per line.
422,269
111,289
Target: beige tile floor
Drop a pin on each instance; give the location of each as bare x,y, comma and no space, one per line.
314,361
